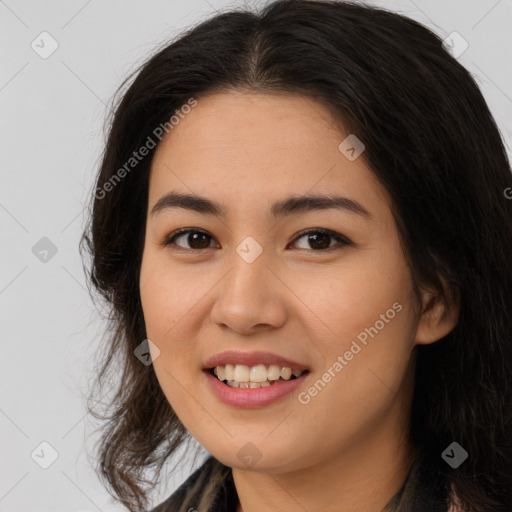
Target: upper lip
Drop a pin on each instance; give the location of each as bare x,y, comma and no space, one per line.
251,359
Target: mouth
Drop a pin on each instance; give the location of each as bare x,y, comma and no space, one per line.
254,377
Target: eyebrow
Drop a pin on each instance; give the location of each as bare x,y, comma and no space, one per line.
294,204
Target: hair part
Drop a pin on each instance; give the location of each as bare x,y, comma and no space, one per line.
430,140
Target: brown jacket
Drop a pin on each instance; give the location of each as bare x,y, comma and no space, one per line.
422,491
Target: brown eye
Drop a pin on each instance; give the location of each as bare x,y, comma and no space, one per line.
320,239
196,239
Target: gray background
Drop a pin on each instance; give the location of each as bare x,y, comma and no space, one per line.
51,138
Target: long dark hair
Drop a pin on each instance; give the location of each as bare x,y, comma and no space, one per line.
431,141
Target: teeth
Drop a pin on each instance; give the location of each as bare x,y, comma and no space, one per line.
241,373
273,372
229,372
235,384
286,373
258,376
258,373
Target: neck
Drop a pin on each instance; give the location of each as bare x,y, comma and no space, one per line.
363,478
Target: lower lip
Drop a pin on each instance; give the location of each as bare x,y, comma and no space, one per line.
252,397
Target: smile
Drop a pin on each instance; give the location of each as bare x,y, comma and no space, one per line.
254,377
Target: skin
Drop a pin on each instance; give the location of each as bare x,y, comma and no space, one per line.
347,448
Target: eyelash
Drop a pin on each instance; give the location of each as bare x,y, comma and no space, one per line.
342,241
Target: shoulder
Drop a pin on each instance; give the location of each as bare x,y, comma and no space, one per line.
212,474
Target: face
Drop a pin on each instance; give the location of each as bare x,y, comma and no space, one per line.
335,301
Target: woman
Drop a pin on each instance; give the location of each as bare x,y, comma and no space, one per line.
303,224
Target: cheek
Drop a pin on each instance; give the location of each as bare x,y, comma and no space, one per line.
366,318
166,302
347,299
167,296
364,373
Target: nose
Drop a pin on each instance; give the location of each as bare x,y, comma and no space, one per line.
250,298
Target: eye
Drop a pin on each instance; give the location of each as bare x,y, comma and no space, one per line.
196,238
320,238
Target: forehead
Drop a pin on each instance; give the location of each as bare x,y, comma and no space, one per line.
244,146
234,122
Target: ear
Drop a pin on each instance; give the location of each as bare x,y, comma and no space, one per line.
438,317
